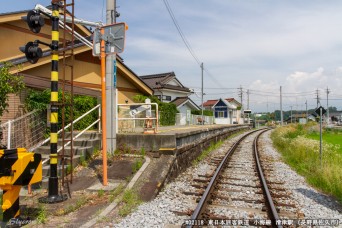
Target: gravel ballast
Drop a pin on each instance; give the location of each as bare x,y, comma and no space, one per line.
160,211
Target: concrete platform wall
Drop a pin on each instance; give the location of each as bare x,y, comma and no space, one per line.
153,143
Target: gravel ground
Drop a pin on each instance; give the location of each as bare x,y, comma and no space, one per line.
159,212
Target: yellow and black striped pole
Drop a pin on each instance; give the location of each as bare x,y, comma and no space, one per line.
53,196
53,179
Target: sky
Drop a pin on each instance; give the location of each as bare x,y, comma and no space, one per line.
256,45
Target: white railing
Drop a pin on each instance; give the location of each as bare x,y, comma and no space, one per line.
69,125
134,120
181,119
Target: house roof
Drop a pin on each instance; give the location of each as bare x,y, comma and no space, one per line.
159,81
8,19
211,103
183,100
229,104
299,115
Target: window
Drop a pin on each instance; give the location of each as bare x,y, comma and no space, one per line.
220,114
167,98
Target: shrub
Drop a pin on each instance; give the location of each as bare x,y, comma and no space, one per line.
167,110
41,99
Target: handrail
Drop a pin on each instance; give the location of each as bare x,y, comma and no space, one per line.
150,118
78,135
66,127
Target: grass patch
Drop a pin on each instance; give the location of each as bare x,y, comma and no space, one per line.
71,208
130,201
137,165
116,192
83,161
42,214
207,151
299,147
100,192
331,137
214,146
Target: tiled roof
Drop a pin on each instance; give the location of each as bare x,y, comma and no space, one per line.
159,81
213,102
180,100
155,80
210,102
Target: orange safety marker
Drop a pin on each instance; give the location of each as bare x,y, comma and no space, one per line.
103,109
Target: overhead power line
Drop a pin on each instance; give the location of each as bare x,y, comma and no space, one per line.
186,42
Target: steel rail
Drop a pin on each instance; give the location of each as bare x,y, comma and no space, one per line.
272,211
198,212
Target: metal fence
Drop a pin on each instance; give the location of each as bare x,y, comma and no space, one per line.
133,120
181,119
25,131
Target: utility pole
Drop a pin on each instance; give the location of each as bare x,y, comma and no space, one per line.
248,99
328,105
281,107
202,92
111,85
248,105
291,113
306,109
317,97
241,99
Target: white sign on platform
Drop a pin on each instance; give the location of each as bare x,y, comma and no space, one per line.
139,109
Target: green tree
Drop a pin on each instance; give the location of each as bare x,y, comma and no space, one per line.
37,99
9,84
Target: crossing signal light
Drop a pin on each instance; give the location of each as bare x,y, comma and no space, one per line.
32,52
34,20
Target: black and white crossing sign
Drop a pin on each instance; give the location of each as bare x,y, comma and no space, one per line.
318,111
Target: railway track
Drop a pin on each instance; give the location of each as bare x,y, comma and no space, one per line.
241,190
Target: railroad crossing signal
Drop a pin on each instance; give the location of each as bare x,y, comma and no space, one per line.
17,168
34,20
318,111
32,52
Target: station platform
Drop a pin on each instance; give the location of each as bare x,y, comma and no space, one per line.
174,137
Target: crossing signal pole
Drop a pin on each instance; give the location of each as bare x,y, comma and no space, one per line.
33,52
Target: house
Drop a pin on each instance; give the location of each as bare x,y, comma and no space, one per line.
227,111
166,86
169,89
184,106
335,116
14,33
300,118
